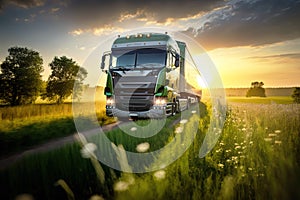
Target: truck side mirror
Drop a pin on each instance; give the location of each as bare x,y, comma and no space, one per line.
176,60
103,62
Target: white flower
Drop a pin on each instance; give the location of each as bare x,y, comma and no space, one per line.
96,197
159,175
87,150
121,186
268,139
179,129
277,142
183,121
220,165
278,131
143,147
193,111
133,129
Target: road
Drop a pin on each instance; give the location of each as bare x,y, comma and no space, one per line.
54,144
60,142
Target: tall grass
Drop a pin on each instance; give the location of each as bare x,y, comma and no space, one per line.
256,157
24,126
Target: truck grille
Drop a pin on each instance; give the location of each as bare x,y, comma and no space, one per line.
135,96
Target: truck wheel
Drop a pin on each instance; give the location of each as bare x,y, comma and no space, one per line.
177,107
174,108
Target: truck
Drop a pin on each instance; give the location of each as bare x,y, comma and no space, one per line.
146,77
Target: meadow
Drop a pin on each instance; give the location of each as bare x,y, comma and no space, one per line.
22,127
256,157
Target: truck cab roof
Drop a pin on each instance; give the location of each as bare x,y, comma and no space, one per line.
145,40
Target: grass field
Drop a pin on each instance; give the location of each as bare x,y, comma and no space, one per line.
22,127
256,157
262,100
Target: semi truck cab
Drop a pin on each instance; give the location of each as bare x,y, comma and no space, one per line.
143,76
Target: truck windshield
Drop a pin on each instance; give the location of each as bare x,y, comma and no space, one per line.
140,58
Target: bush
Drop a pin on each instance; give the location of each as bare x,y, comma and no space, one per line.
296,95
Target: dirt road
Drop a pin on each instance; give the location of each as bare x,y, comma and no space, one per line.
53,144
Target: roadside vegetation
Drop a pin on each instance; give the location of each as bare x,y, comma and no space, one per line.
256,157
22,127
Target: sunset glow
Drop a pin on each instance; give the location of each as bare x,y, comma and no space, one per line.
246,40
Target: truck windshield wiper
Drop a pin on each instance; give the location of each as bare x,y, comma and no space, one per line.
121,68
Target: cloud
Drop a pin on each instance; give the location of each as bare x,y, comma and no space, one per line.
96,13
248,23
97,31
276,57
22,4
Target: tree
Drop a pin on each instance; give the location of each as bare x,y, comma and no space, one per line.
20,78
256,89
66,75
296,95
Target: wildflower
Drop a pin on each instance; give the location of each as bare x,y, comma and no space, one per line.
121,186
272,134
218,150
251,142
221,143
159,175
277,142
234,157
87,150
228,160
133,129
143,147
278,131
228,150
236,144
244,129
220,165
250,169
96,197
183,121
179,129
237,147
268,139
193,111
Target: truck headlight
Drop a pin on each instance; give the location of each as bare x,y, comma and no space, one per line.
110,101
160,101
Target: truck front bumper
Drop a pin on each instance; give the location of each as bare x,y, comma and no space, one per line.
154,112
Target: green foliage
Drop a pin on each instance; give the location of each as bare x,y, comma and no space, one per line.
20,80
256,90
66,75
296,95
256,157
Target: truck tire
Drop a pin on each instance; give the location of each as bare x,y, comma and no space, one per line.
174,109
177,106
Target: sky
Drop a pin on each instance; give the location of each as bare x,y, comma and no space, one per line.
247,40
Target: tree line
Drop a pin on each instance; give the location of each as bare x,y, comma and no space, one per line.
21,80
